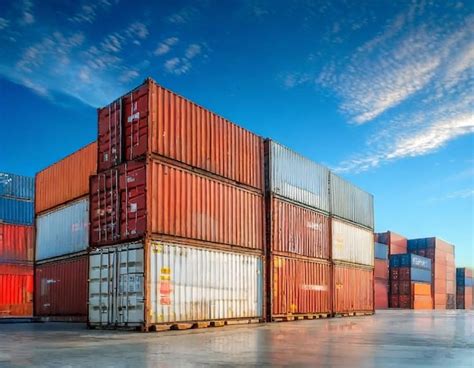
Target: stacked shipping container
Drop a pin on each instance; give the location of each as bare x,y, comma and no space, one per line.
176,217
381,273
298,235
464,288
441,254
397,244
62,236
16,245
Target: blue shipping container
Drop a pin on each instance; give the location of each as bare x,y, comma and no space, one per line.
410,260
418,274
16,211
381,251
17,186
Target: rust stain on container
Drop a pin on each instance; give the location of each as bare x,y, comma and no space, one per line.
61,287
300,286
16,243
299,230
65,180
152,119
16,290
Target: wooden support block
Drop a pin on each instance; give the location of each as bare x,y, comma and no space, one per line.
217,323
204,324
182,326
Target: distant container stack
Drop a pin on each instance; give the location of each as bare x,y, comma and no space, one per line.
16,245
298,236
441,254
62,236
352,248
464,288
381,273
410,282
177,216
397,244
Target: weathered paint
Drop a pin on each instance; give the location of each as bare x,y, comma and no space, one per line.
64,230
16,211
381,293
351,203
300,286
16,186
297,178
61,288
352,243
298,230
397,244
65,180
16,290
381,269
16,243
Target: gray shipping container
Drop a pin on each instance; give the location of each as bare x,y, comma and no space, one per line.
351,203
63,231
297,178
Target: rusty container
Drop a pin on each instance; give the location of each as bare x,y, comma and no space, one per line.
61,289
16,243
16,290
381,293
397,244
151,119
65,180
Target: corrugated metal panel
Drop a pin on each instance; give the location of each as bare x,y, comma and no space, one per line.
354,289
16,290
352,244
193,284
63,231
188,205
381,269
299,230
16,211
297,178
66,180
381,251
381,294
16,243
300,286
17,186
351,203
61,287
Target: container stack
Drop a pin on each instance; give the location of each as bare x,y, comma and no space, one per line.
352,248
441,254
16,245
464,288
381,272
397,244
62,236
298,236
177,216
410,282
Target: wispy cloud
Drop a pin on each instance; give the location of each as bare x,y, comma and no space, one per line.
459,194
88,12
165,46
183,15
179,65
27,15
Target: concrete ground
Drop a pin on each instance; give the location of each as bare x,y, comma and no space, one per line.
388,339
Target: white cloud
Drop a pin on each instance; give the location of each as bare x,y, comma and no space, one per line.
183,16
165,46
4,23
459,194
128,75
192,51
137,30
27,16
88,12
177,66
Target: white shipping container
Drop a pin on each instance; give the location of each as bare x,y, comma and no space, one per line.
184,284
297,178
351,203
63,231
352,244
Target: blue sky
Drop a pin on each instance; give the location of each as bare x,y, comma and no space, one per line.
380,91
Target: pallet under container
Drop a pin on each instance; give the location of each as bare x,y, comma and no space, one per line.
156,285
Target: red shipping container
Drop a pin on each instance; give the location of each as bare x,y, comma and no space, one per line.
397,244
300,286
394,302
156,198
381,269
394,273
16,290
404,301
152,119
404,274
16,243
354,289
395,287
298,230
61,288
381,294
404,287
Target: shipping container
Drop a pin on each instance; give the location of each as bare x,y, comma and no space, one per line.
61,288
397,244
350,203
16,211
16,186
353,289
352,243
62,231
65,180
381,251
381,269
16,243
298,230
464,288
138,199
421,296
299,287
16,290
410,260
381,293
295,177
152,119
179,283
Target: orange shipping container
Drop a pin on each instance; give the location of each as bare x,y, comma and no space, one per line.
353,289
16,243
16,290
65,180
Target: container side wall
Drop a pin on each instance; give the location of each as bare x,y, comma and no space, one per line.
16,290
16,186
16,211
16,243
352,244
354,289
